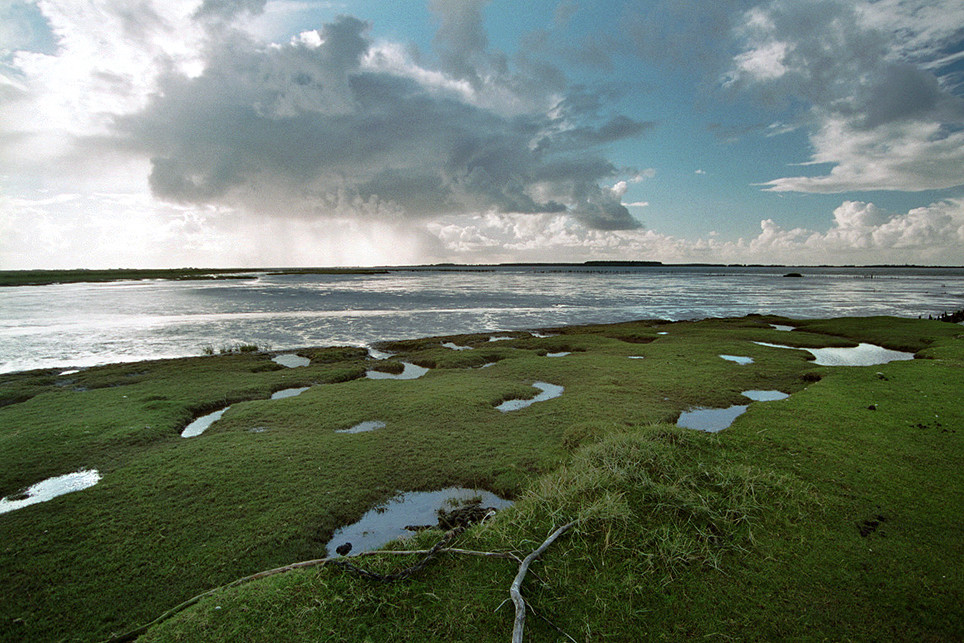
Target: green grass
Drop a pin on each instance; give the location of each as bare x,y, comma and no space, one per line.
811,518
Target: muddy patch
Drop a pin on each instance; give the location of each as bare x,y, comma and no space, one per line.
406,513
549,391
50,488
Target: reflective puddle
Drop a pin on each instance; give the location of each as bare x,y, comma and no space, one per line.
711,420
410,372
714,420
363,427
374,353
50,488
765,396
416,508
202,424
288,392
549,391
861,355
455,347
782,327
291,360
738,359
560,354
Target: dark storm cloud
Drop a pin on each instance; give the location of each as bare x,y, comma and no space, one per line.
298,128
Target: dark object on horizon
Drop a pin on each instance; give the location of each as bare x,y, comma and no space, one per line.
954,318
793,274
343,550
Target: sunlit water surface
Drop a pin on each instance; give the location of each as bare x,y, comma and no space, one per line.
76,325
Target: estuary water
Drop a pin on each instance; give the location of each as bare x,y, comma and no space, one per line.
85,324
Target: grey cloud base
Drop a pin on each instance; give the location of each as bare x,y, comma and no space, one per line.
311,129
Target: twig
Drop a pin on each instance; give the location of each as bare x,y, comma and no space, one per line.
520,604
317,562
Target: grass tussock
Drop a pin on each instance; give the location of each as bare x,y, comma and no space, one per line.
664,493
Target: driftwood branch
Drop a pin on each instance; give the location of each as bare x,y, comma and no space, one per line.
133,634
514,589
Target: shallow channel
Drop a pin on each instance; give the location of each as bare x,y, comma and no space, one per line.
549,391
411,372
387,522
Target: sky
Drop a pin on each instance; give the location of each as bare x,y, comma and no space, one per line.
254,133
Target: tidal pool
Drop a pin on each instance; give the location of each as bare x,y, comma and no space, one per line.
200,425
860,355
387,522
738,359
782,327
363,427
51,488
455,347
765,396
711,420
291,360
549,391
500,338
288,392
374,353
560,354
411,372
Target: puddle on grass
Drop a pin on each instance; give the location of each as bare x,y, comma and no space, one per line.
549,391
765,396
500,338
560,354
288,392
861,355
50,488
291,360
637,357
783,327
714,420
711,420
387,522
411,372
455,347
543,335
68,372
738,359
202,424
363,427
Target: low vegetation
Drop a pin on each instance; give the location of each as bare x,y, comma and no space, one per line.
833,514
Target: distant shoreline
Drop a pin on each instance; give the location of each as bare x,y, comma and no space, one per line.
67,276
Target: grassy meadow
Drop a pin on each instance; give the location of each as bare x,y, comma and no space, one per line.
834,514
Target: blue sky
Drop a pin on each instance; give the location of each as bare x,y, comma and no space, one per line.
302,132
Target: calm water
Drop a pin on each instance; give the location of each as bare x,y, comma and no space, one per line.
62,326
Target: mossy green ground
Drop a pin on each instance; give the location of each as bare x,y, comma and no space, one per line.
834,514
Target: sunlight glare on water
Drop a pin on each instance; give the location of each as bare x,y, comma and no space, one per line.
84,324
